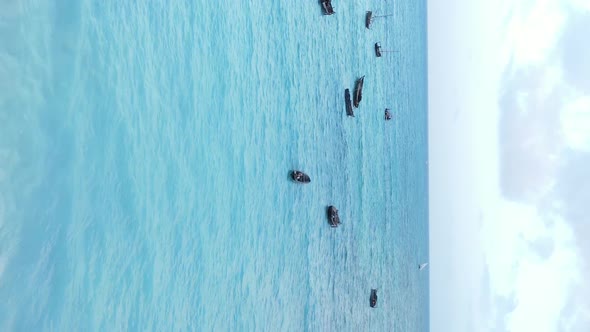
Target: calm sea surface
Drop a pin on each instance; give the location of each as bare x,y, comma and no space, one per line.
145,148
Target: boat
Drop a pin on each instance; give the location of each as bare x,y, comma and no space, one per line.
327,7
422,266
369,18
387,114
358,91
349,110
379,51
373,298
333,218
300,177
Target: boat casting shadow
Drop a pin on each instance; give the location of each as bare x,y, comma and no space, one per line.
322,11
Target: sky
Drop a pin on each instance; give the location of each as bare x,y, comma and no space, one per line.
509,146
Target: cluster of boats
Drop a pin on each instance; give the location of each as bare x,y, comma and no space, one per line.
333,221
352,101
355,99
328,9
368,20
333,217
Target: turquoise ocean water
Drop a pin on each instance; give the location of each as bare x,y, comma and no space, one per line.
145,148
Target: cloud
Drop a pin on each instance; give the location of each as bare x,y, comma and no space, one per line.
580,6
575,51
529,140
535,235
533,30
534,265
542,286
575,121
523,159
571,193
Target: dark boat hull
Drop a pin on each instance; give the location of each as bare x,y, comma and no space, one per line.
348,102
358,91
368,19
327,7
333,218
373,298
387,114
377,50
300,177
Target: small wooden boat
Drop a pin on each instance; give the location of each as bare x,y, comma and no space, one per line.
358,91
378,50
333,218
348,102
387,114
369,18
373,298
300,177
327,7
